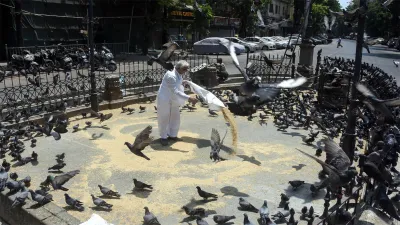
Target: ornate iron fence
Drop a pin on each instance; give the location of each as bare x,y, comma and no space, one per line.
281,69
29,95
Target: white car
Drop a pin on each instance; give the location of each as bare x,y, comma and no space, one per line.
262,43
251,47
280,42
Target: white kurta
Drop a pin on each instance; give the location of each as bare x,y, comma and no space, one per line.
170,97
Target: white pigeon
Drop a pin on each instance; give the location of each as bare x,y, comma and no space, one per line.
396,63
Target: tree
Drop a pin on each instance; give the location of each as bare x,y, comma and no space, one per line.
240,9
378,20
318,13
201,22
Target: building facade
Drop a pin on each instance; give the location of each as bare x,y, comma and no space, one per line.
276,12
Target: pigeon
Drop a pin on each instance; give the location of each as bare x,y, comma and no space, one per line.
100,202
34,155
216,144
337,177
109,192
142,108
101,116
396,63
61,156
200,221
124,110
143,139
246,220
3,177
264,212
149,218
205,195
41,199
245,205
20,198
57,182
58,166
131,110
75,203
164,56
13,176
88,123
194,211
212,112
219,219
155,108
377,104
140,185
75,127
72,88
296,183
14,186
385,203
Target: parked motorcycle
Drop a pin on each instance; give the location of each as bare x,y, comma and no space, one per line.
105,59
60,58
26,62
42,58
79,59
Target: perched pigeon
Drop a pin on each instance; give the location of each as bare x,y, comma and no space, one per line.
109,192
296,183
76,204
149,218
20,198
143,139
200,221
140,185
3,178
246,220
58,166
41,199
219,219
205,195
194,211
245,205
101,203
264,212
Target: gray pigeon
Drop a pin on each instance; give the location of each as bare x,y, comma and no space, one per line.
3,178
101,203
219,219
200,221
143,139
109,192
140,185
195,211
164,57
216,144
20,198
57,182
205,195
264,212
149,218
245,205
14,186
58,166
246,220
75,203
41,199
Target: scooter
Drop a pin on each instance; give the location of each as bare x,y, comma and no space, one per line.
26,62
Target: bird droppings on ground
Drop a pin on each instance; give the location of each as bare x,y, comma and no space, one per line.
174,171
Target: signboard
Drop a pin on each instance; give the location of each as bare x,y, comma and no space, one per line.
221,21
177,13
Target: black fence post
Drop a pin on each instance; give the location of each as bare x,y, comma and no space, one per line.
93,92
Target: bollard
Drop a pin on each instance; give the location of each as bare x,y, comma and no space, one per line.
112,88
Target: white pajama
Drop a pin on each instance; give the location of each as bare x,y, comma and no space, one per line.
170,97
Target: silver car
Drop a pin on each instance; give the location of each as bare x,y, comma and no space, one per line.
216,45
251,47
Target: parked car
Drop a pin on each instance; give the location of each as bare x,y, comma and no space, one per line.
280,43
262,43
315,41
295,39
322,39
216,45
252,47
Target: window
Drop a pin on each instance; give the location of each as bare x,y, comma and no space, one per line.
271,8
276,9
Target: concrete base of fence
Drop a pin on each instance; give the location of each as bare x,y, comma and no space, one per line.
49,214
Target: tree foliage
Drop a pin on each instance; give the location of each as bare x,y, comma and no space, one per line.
318,13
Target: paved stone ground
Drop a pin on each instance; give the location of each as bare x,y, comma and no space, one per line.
176,170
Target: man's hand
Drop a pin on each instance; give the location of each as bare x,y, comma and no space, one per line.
193,100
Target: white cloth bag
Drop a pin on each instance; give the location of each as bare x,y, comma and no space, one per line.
213,102
96,220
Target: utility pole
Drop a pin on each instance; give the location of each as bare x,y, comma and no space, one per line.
93,93
306,46
349,135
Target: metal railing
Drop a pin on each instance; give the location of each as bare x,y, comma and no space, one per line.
49,91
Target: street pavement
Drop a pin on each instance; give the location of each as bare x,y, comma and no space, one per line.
265,161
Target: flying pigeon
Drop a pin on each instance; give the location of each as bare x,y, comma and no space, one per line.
396,63
216,144
143,139
163,57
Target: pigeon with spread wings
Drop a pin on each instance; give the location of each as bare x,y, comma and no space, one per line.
143,139
216,144
164,56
